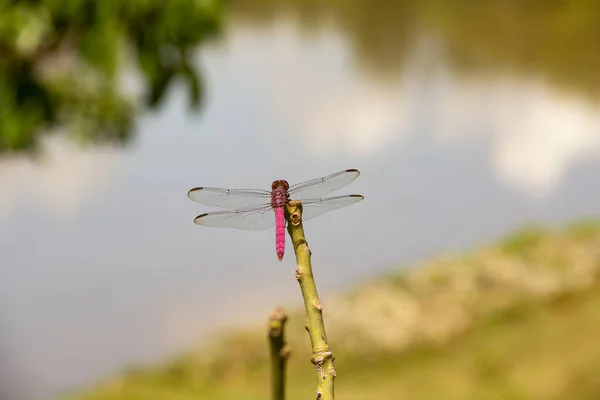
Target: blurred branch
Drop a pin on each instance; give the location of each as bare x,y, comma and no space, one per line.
280,352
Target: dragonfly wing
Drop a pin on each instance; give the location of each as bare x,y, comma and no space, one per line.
253,218
229,198
322,186
312,208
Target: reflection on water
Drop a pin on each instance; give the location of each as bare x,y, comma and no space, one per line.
102,265
554,41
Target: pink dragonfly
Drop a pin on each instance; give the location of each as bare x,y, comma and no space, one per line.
258,209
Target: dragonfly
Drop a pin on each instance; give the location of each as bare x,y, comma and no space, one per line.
258,209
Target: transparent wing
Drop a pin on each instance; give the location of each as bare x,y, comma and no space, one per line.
230,198
253,218
322,186
312,208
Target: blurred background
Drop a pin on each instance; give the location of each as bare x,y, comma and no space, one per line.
467,120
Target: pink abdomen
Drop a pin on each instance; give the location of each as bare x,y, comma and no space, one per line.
279,232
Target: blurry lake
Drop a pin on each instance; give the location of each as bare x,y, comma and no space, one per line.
460,138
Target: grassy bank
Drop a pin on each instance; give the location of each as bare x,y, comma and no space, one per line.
517,320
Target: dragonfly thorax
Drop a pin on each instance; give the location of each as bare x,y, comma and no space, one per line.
279,197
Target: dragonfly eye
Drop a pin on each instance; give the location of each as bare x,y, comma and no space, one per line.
281,184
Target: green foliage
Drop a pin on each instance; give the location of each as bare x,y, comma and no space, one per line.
585,229
62,63
522,347
523,241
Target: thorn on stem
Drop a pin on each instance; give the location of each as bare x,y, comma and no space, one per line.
318,305
319,394
286,353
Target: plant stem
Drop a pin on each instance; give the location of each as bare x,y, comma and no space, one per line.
322,357
280,352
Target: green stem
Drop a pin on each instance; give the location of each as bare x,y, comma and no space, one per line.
280,352
322,357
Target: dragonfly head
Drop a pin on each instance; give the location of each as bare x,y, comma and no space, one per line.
280,184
